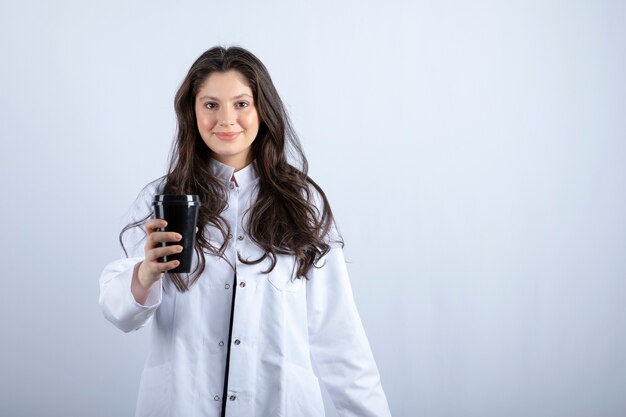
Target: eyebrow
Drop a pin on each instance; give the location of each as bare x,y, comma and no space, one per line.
217,99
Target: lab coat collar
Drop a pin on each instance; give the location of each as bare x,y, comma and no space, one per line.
244,176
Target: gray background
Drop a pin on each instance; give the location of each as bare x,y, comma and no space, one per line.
474,154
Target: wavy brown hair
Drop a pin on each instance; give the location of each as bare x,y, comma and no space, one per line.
285,218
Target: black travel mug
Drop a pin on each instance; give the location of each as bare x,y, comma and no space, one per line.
181,214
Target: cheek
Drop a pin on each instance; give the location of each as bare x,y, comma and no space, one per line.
203,121
251,119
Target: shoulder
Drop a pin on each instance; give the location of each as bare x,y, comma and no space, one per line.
143,202
315,194
318,199
153,187
139,211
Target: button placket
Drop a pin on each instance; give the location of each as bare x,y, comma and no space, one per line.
234,199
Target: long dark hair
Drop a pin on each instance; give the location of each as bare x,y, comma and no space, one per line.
285,218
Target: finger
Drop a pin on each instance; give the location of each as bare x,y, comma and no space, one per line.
166,266
164,251
155,224
158,237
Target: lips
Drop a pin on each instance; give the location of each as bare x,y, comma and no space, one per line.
227,135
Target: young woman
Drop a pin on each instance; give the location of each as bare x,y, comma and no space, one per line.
267,311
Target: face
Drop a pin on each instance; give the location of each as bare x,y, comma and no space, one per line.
224,103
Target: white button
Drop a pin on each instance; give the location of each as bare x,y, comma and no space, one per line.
221,343
232,397
216,398
240,237
232,185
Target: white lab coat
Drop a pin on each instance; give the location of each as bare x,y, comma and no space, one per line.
280,327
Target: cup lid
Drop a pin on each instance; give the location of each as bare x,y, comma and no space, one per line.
177,198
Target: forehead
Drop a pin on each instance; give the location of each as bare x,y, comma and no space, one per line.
224,85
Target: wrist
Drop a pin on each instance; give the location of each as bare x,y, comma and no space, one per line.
139,279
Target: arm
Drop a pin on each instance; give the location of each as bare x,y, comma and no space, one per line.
339,346
124,301
117,301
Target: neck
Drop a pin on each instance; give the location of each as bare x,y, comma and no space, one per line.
235,164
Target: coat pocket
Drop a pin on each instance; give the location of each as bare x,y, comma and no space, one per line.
303,394
283,277
155,391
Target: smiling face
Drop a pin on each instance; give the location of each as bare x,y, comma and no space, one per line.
224,103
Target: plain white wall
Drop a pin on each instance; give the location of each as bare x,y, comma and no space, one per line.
474,154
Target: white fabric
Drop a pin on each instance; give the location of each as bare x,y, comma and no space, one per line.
282,326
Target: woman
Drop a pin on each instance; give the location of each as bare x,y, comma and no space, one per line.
269,295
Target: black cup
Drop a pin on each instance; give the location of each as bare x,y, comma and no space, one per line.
181,214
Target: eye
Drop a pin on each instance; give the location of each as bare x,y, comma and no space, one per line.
242,104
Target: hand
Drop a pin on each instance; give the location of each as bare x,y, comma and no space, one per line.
150,269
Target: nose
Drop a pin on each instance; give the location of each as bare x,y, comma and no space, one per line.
224,116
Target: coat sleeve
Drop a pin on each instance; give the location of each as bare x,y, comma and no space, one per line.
338,343
116,299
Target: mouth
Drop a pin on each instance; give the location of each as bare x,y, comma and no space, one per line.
227,135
